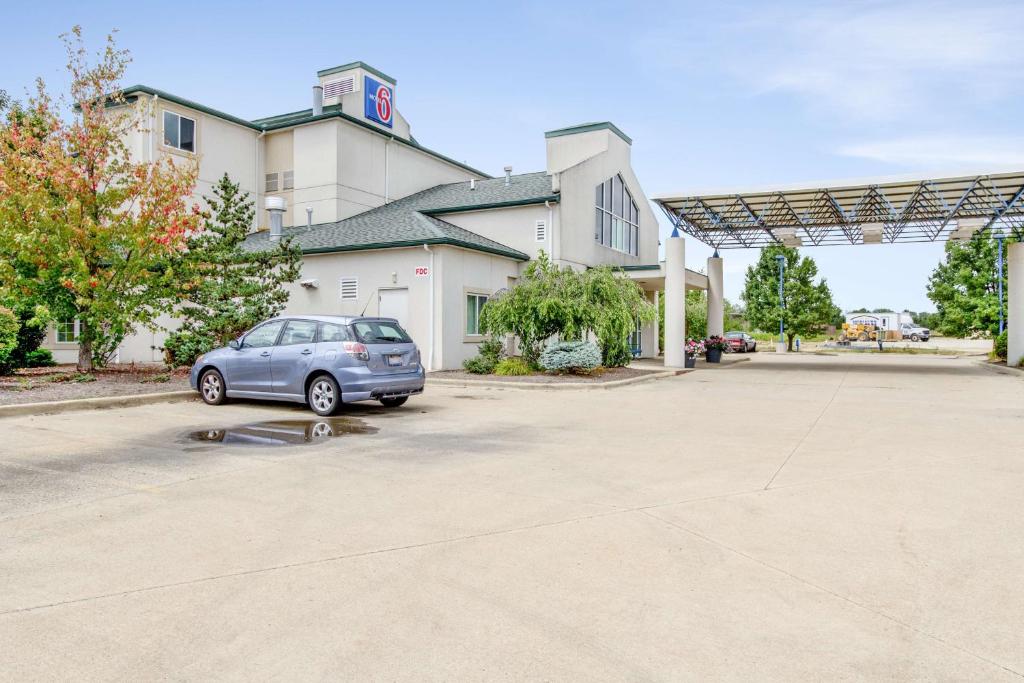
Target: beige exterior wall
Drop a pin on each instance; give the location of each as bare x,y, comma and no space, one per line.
514,227
279,156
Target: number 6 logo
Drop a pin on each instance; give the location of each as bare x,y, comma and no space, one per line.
384,103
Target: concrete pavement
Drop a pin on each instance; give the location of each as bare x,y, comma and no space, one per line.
790,518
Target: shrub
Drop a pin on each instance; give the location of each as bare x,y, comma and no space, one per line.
509,367
31,334
491,352
570,356
182,348
9,327
39,358
1000,345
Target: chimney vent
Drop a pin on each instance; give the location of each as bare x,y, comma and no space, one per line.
309,216
275,207
508,176
318,100
472,183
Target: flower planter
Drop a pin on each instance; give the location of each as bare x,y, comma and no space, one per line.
713,355
691,360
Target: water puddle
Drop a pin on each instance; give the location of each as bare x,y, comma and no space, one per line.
284,432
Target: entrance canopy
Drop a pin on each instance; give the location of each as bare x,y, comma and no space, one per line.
865,212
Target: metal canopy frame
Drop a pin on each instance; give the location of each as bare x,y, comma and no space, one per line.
912,210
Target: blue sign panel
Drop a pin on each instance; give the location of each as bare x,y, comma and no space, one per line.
379,101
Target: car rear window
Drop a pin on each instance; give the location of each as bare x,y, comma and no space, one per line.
380,332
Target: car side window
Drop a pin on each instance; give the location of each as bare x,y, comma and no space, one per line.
298,332
330,332
264,335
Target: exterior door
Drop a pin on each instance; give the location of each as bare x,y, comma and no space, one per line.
394,303
249,365
291,358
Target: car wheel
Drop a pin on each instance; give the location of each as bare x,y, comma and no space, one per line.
394,401
915,338
324,396
211,388
753,348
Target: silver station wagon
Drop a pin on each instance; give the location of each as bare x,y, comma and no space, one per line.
321,360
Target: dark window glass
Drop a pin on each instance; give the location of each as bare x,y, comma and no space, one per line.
188,134
171,138
617,196
264,335
298,332
608,194
380,332
606,231
636,241
599,198
597,224
329,332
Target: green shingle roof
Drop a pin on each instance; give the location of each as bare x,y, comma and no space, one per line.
413,220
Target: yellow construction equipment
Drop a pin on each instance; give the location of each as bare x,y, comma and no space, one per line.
866,332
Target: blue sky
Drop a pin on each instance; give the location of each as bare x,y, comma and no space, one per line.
726,94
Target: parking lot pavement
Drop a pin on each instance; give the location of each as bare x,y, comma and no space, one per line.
788,518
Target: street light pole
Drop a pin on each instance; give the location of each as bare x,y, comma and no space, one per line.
999,277
781,259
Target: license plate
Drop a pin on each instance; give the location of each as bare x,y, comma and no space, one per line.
394,360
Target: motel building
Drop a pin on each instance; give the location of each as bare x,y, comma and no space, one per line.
389,227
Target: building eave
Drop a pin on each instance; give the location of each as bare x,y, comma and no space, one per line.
441,241
493,205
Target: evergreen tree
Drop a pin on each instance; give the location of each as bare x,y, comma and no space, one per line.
226,289
807,308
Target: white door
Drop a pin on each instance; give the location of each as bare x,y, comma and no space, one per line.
394,303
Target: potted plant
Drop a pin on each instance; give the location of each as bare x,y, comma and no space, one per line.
693,347
713,348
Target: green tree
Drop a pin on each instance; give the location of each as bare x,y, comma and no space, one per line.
224,288
806,307
965,289
613,306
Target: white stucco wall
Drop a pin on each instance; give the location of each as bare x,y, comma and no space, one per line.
514,227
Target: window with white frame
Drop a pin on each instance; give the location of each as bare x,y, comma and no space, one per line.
288,180
348,288
474,304
67,331
270,182
617,218
179,132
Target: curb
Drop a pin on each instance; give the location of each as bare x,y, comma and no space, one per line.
51,407
539,386
1001,369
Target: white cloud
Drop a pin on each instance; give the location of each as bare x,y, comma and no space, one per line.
933,151
865,60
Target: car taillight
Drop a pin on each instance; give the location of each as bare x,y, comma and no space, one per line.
357,351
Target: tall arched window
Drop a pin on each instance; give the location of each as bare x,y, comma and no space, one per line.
617,220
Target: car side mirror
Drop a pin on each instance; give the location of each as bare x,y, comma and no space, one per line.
234,344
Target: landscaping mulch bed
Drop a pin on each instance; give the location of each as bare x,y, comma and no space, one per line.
608,375
63,382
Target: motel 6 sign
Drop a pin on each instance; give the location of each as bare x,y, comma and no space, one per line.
379,101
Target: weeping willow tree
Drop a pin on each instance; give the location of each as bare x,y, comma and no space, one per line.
558,302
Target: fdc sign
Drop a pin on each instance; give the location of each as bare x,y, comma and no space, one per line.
379,102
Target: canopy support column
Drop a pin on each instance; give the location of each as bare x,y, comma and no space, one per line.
675,301
716,297
1015,303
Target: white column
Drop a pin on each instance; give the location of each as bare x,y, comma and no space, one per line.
655,343
675,302
1015,303
716,298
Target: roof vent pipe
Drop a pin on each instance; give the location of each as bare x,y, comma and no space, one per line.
318,100
309,216
472,183
508,176
275,207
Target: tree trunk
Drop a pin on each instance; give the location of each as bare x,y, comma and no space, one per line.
84,348
789,338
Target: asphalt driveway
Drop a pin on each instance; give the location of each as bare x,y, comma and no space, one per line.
790,518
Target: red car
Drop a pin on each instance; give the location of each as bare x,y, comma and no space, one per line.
740,342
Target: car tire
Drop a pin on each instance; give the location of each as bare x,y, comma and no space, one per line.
753,348
394,401
212,388
915,338
324,396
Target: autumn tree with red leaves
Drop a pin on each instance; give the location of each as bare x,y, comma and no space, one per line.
85,228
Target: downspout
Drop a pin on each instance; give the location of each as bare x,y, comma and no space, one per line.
387,176
256,181
551,230
430,336
152,130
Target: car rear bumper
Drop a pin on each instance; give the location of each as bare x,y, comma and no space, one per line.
369,387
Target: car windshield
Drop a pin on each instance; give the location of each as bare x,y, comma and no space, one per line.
380,332
735,335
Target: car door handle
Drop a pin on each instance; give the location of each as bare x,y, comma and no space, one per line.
306,352
265,354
